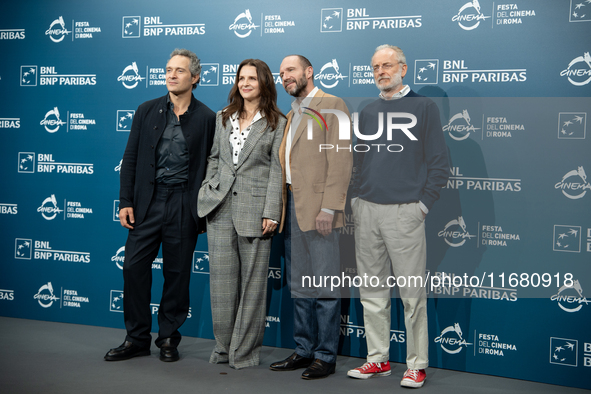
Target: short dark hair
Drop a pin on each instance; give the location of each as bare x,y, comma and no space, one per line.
303,61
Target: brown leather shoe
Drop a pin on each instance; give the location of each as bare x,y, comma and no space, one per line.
293,362
318,370
126,351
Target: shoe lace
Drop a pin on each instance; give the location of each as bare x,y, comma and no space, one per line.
367,366
412,373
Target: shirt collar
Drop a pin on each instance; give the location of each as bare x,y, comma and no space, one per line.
170,104
397,95
259,115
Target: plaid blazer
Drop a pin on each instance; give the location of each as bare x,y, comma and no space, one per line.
253,185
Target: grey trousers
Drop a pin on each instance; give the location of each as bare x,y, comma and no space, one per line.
238,282
390,240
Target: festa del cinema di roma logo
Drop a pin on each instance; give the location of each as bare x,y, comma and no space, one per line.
52,121
459,126
572,182
455,233
578,71
469,16
243,25
57,30
49,208
570,298
326,78
451,340
45,295
130,77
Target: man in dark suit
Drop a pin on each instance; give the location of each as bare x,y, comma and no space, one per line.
163,166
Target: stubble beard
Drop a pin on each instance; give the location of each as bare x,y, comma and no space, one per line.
299,88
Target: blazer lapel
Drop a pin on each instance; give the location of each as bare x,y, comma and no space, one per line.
255,133
303,126
226,145
160,125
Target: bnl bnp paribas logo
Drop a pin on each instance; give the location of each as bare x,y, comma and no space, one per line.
451,340
124,119
426,71
574,184
154,27
28,76
200,262
469,16
57,30
331,20
132,27
567,238
572,125
580,11
210,74
243,25
116,301
564,351
48,76
578,71
330,75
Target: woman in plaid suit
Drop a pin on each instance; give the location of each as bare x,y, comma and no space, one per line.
241,198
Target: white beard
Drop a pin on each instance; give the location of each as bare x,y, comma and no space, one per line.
395,83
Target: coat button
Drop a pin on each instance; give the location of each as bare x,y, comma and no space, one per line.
160,110
152,165
151,183
235,193
155,127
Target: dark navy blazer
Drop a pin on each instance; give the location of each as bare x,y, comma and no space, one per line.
138,170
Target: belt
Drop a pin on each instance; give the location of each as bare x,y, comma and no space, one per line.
172,186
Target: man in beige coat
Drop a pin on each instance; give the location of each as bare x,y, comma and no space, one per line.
316,179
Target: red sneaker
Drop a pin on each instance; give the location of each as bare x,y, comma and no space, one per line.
413,378
369,370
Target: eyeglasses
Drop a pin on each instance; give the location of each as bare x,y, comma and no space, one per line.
385,67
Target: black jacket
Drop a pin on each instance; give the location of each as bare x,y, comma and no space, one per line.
138,170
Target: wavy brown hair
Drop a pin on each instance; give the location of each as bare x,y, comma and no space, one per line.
268,102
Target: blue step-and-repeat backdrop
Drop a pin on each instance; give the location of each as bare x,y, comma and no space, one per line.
513,226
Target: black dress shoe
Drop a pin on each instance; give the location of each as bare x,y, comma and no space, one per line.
318,370
126,351
293,362
168,352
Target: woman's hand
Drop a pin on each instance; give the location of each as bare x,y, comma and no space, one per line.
269,226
